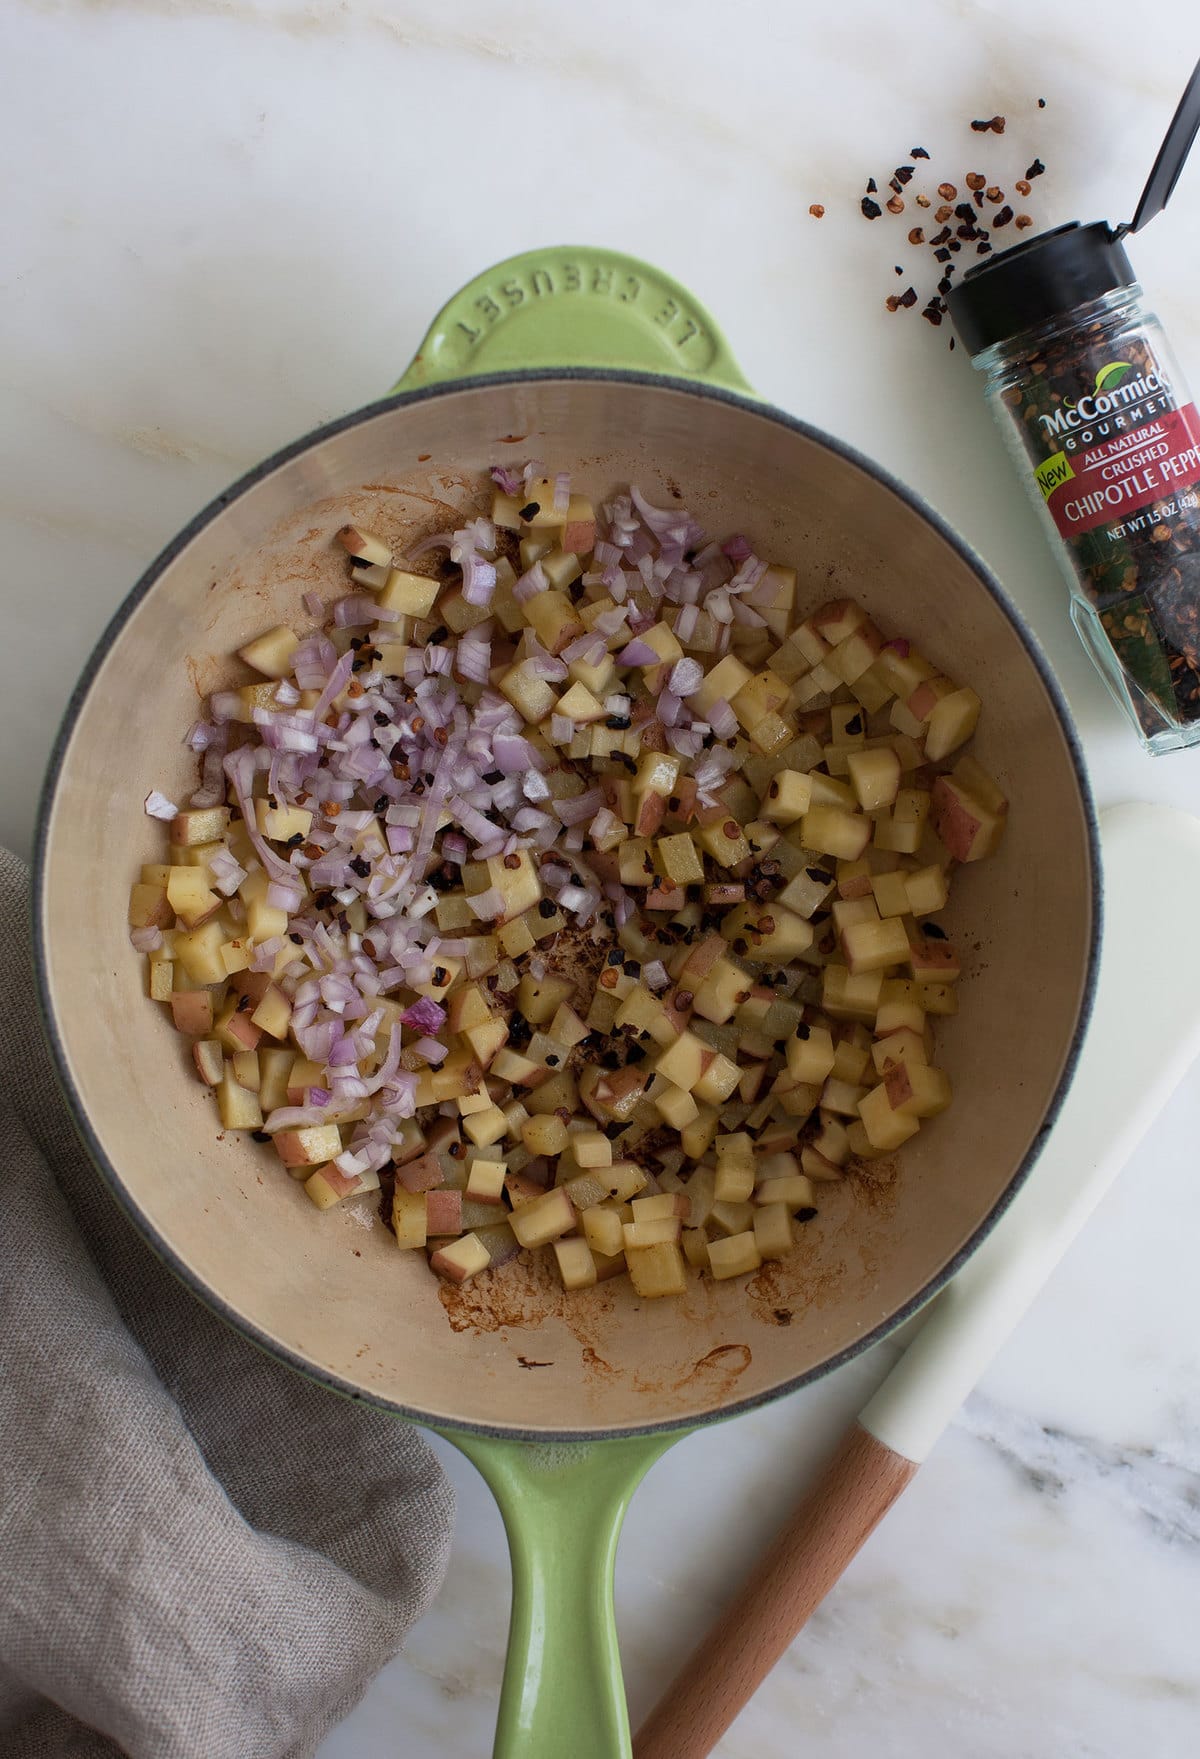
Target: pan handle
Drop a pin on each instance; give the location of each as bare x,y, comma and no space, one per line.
573,306
563,1504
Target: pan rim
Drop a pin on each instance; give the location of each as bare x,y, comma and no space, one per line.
242,486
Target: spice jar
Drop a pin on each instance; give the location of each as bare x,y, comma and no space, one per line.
1102,427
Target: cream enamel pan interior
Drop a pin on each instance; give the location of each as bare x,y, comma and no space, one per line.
338,1299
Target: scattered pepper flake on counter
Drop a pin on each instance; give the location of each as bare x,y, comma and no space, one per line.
817,210
974,224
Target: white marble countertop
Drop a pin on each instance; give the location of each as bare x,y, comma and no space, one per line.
229,220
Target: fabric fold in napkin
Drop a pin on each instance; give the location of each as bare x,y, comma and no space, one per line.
202,1555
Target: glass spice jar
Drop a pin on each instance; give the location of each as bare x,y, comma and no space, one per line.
1103,429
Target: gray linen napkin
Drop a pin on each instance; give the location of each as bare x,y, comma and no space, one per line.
202,1556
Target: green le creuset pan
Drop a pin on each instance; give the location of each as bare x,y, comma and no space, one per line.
605,367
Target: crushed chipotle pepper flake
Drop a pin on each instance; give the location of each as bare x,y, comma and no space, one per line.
870,209
975,180
1024,220
895,204
948,192
817,210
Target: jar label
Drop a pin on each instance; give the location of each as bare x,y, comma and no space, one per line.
1112,443
1109,476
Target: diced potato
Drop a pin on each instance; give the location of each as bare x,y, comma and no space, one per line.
485,1127
462,1260
902,1046
875,946
684,1062
271,654
192,1011
926,890
768,931
545,1219
603,1230
850,995
199,952
412,595
829,830
735,1256
794,1190
969,828
309,1146
544,1134
951,723
576,1266
238,1107
656,1271
875,777
209,1059
891,894
773,1230
725,841
679,860
886,1128
810,1054
190,897
591,1148
916,1089
718,1081
657,1231
485,1181
539,998
273,1013
199,825
788,797
409,1218
530,695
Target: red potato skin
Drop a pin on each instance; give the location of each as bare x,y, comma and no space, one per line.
932,961
242,1027
653,735
290,1152
335,1179
660,896
422,1174
579,537
686,796
967,829
192,1012
199,1070
522,1189
677,1015
701,960
838,619
443,1212
897,1084
447,1269
652,809
925,698
254,984
857,886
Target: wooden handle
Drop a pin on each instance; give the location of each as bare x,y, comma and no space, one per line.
801,1565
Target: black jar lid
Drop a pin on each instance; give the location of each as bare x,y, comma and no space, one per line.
1037,280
